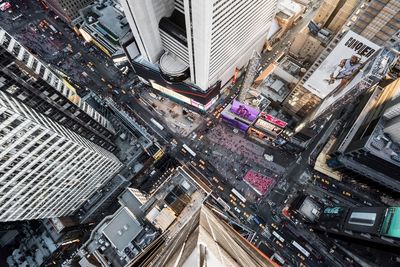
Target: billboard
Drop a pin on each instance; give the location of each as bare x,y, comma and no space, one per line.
233,121
391,223
341,65
274,120
244,111
373,70
268,127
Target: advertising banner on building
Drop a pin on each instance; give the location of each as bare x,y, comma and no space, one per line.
341,66
234,121
373,70
274,120
391,222
244,111
268,127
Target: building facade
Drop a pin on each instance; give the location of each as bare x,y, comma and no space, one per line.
369,224
30,80
197,46
46,169
332,15
67,10
369,145
206,240
377,21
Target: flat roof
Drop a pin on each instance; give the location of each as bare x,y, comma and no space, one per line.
122,229
366,219
380,146
110,16
310,209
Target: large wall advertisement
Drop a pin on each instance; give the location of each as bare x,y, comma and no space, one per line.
391,223
268,127
240,115
372,72
233,121
341,65
244,111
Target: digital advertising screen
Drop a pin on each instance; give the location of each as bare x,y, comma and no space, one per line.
230,119
391,223
274,120
341,65
244,111
268,127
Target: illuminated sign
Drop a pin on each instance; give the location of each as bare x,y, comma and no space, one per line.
268,127
274,120
260,135
244,111
231,119
235,76
391,223
182,98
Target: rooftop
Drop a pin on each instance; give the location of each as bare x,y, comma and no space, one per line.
273,29
108,18
122,229
142,219
366,219
172,65
310,209
274,88
290,66
383,147
290,6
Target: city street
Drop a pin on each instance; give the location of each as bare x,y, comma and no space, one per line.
224,159
82,64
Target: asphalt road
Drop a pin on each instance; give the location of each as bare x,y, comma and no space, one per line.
240,213
106,77
102,75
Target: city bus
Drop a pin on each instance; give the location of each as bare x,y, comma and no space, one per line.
188,149
223,204
301,249
156,123
236,193
278,236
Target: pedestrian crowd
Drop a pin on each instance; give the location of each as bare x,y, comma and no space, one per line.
259,182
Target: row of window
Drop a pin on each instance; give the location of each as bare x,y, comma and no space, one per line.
35,65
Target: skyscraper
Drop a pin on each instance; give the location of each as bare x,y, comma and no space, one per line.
67,10
196,46
369,144
46,170
28,79
377,22
55,150
207,240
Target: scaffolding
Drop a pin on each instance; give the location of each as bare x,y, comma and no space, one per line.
251,73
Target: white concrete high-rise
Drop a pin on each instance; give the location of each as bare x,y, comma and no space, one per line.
55,150
46,169
212,38
27,78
